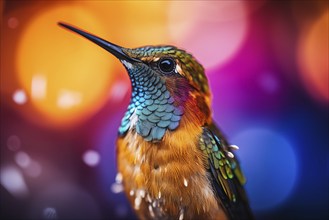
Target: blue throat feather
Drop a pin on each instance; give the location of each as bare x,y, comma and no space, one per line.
153,105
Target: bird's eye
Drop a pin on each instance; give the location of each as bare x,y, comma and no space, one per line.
166,65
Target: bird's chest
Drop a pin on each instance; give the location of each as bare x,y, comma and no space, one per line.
162,183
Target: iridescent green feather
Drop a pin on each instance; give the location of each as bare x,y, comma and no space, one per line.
225,167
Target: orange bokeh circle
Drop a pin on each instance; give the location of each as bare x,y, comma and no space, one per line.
313,58
133,23
65,77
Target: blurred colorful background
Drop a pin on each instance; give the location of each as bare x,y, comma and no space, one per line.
62,99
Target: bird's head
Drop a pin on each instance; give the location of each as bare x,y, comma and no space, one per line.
167,83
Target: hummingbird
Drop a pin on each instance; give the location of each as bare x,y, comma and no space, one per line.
173,160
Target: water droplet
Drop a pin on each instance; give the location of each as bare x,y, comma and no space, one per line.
234,147
181,214
185,182
118,178
141,193
151,211
148,198
138,201
230,154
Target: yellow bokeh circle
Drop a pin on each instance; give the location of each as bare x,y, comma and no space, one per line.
133,23
65,76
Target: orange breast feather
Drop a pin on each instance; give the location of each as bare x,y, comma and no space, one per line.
168,178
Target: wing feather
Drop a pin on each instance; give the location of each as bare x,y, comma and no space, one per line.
225,174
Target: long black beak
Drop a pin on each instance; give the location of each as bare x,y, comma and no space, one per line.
110,47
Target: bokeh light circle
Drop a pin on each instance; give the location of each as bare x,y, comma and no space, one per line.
270,165
34,169
133,24
65,76
212,31
13,22
49,213
22,159
13,181
19,97
91,158
13,143
313,58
